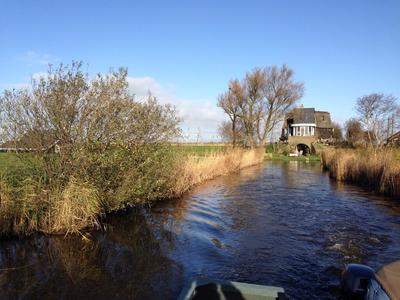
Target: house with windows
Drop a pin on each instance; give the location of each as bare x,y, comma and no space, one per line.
304,126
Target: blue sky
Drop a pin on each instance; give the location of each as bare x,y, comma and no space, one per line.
186,51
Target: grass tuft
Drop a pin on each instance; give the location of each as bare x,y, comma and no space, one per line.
76,207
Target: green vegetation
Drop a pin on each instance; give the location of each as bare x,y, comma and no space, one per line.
113,151
281,152
5,160
95,149
102,182
9,160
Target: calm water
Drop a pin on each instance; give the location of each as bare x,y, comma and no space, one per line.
284,224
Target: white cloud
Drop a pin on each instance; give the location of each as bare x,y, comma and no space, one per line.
35,58
39,75
23,85
201,117
10,86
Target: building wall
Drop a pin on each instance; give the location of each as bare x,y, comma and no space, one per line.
323,119
320,119
307,140
324,133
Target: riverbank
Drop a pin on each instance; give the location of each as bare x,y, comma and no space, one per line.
376,170
198,169
28,205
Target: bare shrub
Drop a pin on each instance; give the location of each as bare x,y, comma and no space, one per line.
374,111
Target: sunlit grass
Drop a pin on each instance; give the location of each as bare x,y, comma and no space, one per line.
200,149
197,169
376,169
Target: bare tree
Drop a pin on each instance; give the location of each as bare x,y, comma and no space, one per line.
229,102
251,104
227,134
281,92
374,110
260,101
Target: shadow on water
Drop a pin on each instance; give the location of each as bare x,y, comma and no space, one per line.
282,224
128,261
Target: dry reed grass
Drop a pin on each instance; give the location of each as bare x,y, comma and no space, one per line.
32,209
197,169
378,170
20,208
78,206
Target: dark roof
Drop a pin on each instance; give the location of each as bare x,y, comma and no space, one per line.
303,115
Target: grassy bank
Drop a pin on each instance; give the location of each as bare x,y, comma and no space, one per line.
377,170
104,183
280,152
283,157
197,169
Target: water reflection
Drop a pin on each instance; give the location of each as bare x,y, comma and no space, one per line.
284,224
128,261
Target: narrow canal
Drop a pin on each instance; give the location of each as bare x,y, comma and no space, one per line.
284,224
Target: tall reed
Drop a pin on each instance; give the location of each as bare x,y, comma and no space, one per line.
377,170
197,169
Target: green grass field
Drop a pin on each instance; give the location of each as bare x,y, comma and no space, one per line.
13,161
8,160
279,152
